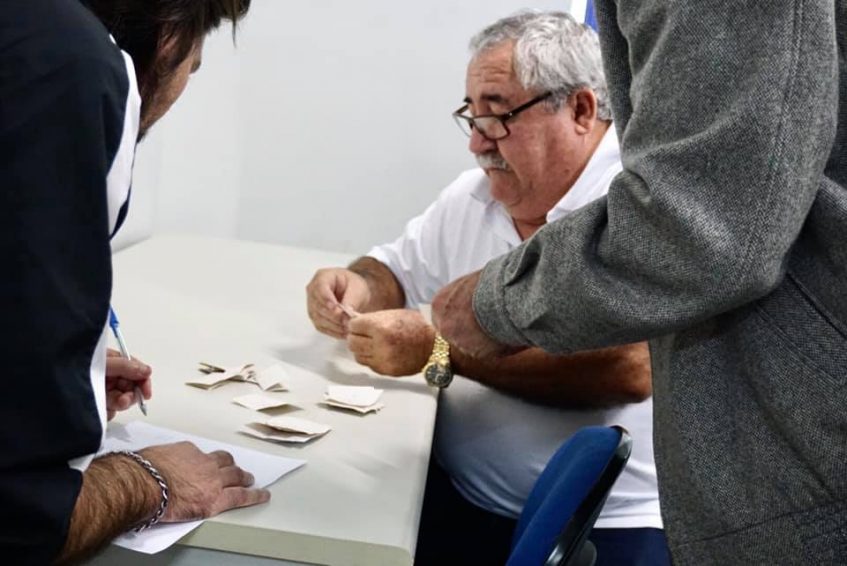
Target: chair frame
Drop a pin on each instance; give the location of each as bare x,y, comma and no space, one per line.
572,547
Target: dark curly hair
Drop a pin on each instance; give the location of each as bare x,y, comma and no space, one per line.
142,27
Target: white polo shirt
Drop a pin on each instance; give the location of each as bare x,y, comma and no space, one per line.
494,446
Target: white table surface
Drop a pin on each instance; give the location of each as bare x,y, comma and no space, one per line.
183,300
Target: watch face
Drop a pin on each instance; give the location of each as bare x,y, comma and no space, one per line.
438,375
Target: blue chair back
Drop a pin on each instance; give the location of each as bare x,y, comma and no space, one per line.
590,15
566,499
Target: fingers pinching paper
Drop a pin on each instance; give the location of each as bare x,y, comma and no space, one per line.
348,311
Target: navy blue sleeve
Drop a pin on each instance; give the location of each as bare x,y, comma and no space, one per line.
63,92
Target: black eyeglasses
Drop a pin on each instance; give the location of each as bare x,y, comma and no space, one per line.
492,126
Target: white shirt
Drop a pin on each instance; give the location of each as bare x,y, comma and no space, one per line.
494,446
118,183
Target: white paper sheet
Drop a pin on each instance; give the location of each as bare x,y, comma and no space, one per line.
136,435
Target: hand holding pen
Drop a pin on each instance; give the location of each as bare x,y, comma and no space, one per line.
127,379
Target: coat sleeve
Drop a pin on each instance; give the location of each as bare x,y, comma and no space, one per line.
726,112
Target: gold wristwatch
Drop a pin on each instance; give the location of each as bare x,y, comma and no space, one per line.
437,370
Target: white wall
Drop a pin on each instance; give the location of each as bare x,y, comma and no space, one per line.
328,126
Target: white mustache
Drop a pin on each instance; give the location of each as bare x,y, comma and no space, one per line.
492,160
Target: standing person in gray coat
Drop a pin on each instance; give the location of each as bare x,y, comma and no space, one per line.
724,242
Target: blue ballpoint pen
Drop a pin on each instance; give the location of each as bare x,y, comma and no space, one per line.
116,329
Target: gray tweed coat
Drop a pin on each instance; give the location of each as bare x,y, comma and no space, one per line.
724,242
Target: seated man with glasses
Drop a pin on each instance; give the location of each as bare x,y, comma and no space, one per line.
537,114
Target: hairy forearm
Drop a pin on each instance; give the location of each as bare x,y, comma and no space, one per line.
116,495
386,292
584,380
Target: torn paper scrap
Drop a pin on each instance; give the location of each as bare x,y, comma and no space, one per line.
273,378
208,381
215,375
259,402
348,310
296,424
264,432
210,368
362,399
363,410
246,372
286,429
356,395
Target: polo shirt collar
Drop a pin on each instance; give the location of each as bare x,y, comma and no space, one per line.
587,187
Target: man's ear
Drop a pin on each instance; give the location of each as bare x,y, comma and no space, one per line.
584,106
166,51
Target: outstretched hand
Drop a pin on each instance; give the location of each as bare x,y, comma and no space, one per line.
202,484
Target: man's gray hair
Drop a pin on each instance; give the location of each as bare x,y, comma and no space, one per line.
552,53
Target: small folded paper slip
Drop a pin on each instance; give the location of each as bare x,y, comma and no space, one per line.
260,402
272,378
362,399
285,429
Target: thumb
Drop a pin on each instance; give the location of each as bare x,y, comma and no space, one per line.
355,297
360,324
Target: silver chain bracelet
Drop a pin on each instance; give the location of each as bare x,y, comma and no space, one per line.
151,469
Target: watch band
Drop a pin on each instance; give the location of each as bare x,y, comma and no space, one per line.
440,351
437,370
